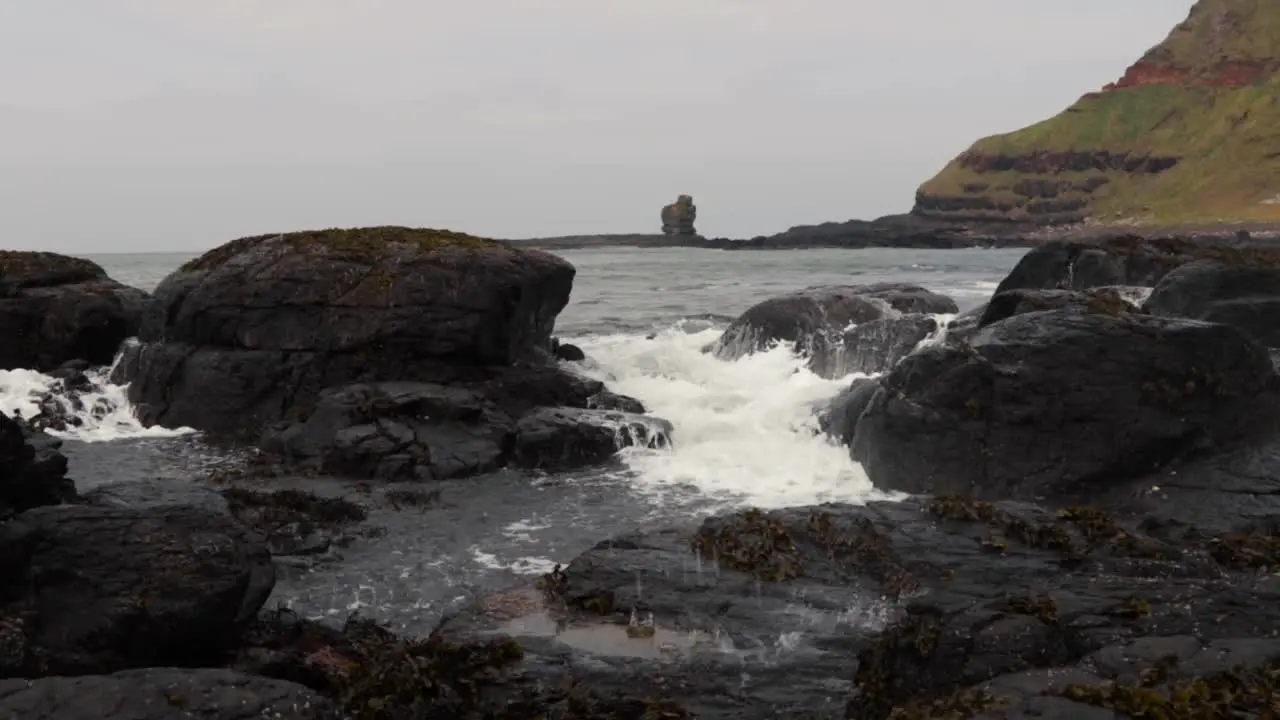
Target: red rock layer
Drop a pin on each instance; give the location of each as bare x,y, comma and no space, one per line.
1229,73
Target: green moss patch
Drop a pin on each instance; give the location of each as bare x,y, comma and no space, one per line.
362,243
1239,692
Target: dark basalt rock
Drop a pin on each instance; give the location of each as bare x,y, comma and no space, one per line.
840,419
845,329
561,439
90,590
423,431
33,470
1129,260
162,694
253,331
55,309
1063,615
567,352
1243,296
1060,403
1105,300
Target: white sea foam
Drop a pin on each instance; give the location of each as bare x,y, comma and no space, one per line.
745,429
103,411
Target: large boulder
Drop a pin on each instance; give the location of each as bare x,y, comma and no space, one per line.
252,331
33,470
162,694
1062,402
91,590
841,329
1243,296
679,216
55,308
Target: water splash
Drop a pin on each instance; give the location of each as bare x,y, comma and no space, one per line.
94,411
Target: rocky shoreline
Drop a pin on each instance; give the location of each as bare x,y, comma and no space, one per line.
915,232
1092,459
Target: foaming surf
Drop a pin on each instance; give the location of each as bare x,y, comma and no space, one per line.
92,410
745,430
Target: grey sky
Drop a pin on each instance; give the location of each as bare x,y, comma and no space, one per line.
133,125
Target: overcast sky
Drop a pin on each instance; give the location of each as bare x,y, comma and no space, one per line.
136,125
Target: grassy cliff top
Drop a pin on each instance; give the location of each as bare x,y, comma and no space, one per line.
368,241
1204,104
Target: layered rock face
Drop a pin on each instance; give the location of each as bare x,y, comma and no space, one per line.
55,309
1196,106
678,217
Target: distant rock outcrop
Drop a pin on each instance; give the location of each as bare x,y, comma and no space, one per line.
678,217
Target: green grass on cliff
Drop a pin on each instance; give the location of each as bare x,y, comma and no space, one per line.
366,242
1227,139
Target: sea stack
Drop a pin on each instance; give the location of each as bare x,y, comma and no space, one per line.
678,217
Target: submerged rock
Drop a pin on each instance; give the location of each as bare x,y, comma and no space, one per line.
1242,296
162,694
841,329
95,589
55,308
1059,403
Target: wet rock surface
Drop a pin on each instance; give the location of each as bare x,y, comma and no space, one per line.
161,694
98,589
55,308
1101,299
845,329
425,431
1059,403
1242,296
33,470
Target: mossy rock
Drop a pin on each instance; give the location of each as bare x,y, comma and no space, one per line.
960,705
365,244
751,542
376,675
1239,692
20,269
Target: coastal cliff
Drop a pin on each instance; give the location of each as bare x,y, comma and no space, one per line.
1189,134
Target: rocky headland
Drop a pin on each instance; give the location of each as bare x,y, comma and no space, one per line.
1181,138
